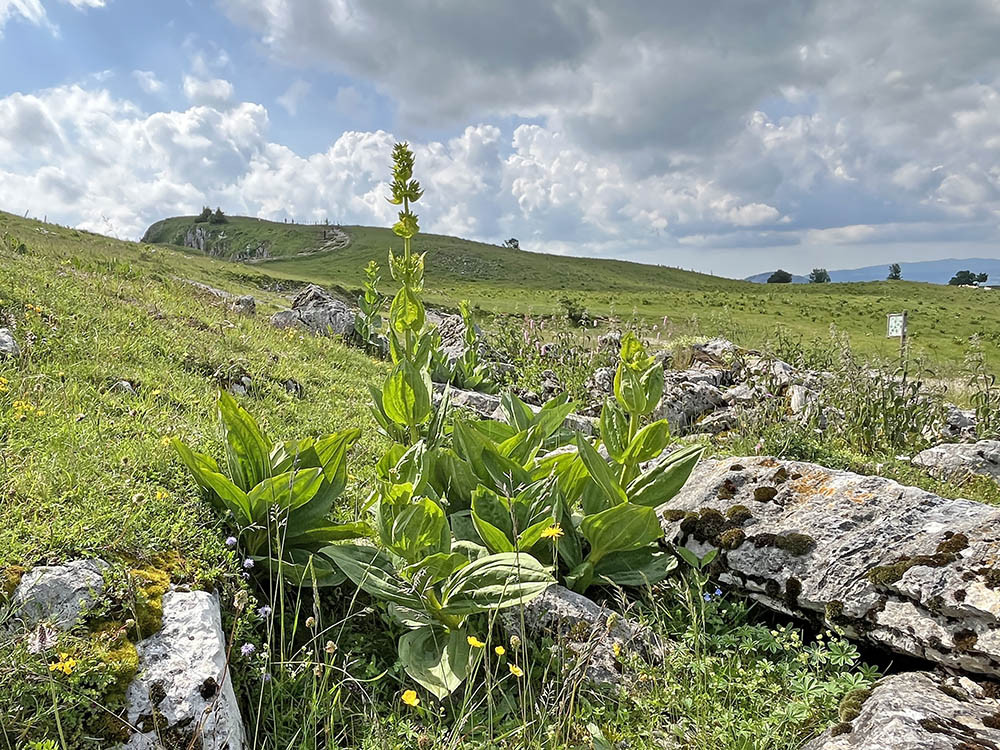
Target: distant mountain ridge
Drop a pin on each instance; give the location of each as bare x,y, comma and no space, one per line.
930,271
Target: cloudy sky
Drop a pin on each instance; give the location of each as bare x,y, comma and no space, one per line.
731,136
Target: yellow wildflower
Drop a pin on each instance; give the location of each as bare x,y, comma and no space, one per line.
475,642
165,440
410,698
162,494
66,664
515,670
553,532
500,650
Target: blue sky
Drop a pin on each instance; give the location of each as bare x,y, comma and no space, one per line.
731,137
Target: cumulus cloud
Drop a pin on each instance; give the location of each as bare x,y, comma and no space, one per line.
215,92
148,81
33,11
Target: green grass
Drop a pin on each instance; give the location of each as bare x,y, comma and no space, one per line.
84,470
679,303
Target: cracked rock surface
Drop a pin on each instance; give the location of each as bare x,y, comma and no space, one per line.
896,566
917,711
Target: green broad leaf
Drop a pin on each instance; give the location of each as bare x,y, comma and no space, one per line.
248,451
409,618
406,313
490,508
434,568
436,428
406,396
469,549
504,474
661,483
593,499
289,454
614,429
436,658
570,545
495,582
581,577
533,534
232,497
640,567
385,467
619,529
569,470
372,570
332,452
320,536
652,386
463,528
454,479
689,557
552,416
629,390
493,430
494,539
287,492
198,464
648,443
518,414
302,568
599,470
420,529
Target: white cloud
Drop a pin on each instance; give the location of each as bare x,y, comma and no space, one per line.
33,11
208,91
148,81
293,95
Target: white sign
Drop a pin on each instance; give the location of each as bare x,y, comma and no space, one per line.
897,326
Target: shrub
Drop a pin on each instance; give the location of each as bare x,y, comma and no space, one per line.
779,277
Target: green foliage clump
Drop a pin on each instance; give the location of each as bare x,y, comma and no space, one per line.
819,276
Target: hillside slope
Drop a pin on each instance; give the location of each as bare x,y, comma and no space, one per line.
119,352
678,303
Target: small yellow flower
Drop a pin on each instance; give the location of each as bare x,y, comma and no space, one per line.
165,440
500,651
553,532
66,665
617,648
410,698
162,494
475,642
515,670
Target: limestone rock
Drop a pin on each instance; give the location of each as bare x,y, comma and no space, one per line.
245,304
589,633
917,711
773,374
897,566
8,346
689,395
956,424
958,461
801,398
487,406
183,687
452,330
719,348
58,595
318,311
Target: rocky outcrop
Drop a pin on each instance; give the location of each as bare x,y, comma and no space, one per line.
452,330
196,238
58,595
916,711
897,566
955,424
688,395
8,346
244,304
183,693
593,640
318,311
960,461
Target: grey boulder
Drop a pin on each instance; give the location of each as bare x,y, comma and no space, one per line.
916,711
8,346
318,311
896,566
58,595
959,461
592,640
688,395
183,693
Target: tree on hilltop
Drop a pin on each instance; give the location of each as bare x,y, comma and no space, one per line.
780,277
205,215
819,276
218,217
895,272
968,278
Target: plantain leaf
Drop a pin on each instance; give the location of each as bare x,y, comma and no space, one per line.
406,313
372,571
640,567
287,492
494,582
248,450
661,483
436,658
598,468
614,429
405,396
648,443
619,529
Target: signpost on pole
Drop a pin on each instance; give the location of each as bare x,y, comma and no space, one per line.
896,329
